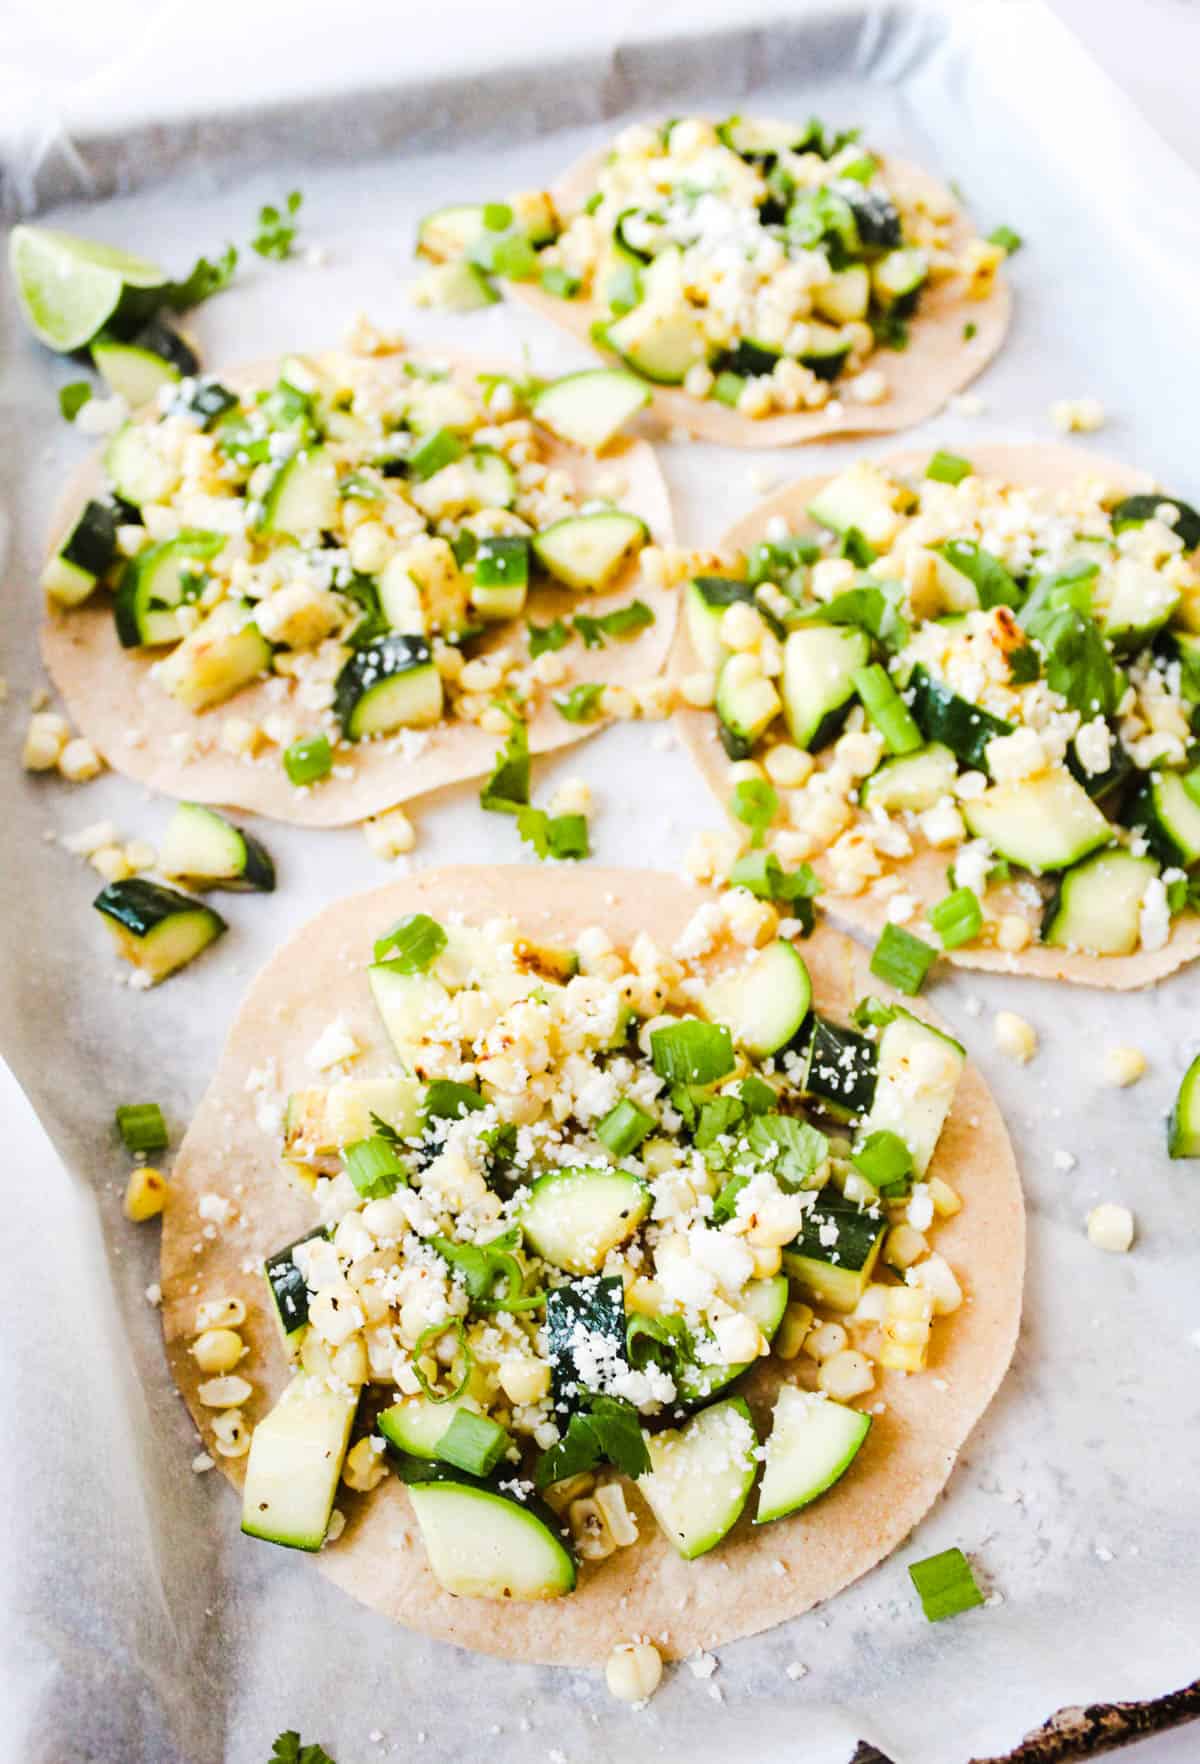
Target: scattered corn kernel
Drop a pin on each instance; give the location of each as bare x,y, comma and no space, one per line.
1110,1227
904,1246
231,1435
218,1350
228,1392
220,1313
846,1375
145,1194
633,1671
789,1337
1014,1036
826,1340
365,1466
1124,1065
391,834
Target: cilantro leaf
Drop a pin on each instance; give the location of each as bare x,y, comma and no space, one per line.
992,581
288,1749
792,1149
718,1117
762,874
506,790
545,638
206,277
582,704
554,836
621,622
277,228
872,608
608,1432
72,398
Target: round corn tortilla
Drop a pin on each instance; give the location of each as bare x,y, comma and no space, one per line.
937,362
924,874
738,1589
143,732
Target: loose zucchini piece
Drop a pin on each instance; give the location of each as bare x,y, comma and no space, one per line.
415,1424
747,704
1097,904
202,849
763,1003
224,653
954,722
1131,601
586,551
156,583
448,232
660,340
1135,511
296,1457
913,781
764,1301
387,685
406,1002
707,601
825,352
876,218
1043,823
861,497
845,297
918,1069
83,557
759,138
1183,1128
812,1443
483,1544
138,472
204,399
819,665
156,928
301,500
135,371
585,1337
289,1293
319,1121
588,409
897,279
1169,815
836,1251
500,576
700,1476
460,286
840,1070
573,1217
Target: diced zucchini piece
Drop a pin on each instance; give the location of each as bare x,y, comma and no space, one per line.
660,340
573,1217
912,781
84,556
764,1002
954,722
289,1292
764,1301
836,1251
845,297
585,1320
296,1457
825,351
500,576
481,478
406,1002
759,138
156,583
202,849
819,665
840,1068
707,601
416,1423
224,653
587,551
483,1544
1044,823
898,278
301,500
135,371
862,497
918,1069
1169,815
1097,904
460,286
138,471
448,232
156,928
588,409
746,703
387,685
701,1475
812,1443
1135,511
319,1121
1131,601
1183,1128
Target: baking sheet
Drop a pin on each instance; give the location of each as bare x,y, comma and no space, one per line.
139,1626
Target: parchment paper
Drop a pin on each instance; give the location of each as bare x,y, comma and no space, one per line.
138,1626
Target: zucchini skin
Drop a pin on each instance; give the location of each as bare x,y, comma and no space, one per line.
372,666
92,542
944,717
141,906
840,1070
596,1302
1133,510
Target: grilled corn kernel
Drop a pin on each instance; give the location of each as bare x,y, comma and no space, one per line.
218,1350
790,1336
1014,1036
589,1528
633,1671
904,1246
1110,1227
826,1340
145,1193
524,1379
228,1392
946,1201
220,1313
1124,1065
231,1436
365,1467
846,1375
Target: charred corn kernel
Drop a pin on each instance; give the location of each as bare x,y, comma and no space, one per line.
218,1350
350,1363
906,1326
741,627
935,1276
618,701
79,761
390,835
524,1379
1124,1065
480,675
559,1495
1014,1036
1077,415
622,1527
1013,933
145,1193
826,1340
788,766
229,1392
698,689
904,1246
365,1466
846,1375
45,739
220,1313
589,1528
872,1306
790,1336
654,700
946,1200
633,1671
768,1259
231,1435
1110,1227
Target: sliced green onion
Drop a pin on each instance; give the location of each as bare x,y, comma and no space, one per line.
945,1585
142,1127
446,1100
763,875
692,1052
727,388
556,280
412,945
902,960
72,398
373,1167
473,1443
958,918
308,760
497,217
624,1128
554,836
970,330
515,258
884,1159
948,468
886,709
857,548
755,803
1007,240
463,1355
435,452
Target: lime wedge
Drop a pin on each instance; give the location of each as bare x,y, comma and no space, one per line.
69,287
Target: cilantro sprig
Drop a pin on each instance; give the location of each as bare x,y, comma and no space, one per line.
277,228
